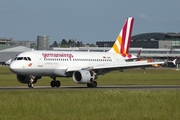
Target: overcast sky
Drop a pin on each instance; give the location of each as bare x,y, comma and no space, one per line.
85,20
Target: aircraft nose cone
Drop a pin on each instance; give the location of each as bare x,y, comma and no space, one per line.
13,67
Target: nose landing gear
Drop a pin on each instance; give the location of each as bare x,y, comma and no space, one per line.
31,85
32,81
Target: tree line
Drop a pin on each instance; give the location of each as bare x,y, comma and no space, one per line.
70,43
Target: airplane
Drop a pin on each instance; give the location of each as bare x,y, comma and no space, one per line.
83,67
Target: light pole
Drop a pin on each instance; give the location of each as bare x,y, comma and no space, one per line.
74,42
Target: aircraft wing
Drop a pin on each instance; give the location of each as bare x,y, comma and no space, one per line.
120,65
129,65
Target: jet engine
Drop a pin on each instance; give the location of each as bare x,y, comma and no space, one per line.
84,76
26,79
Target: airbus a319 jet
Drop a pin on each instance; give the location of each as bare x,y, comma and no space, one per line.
83,67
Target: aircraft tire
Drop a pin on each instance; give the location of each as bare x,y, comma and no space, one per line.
89,85
58,83
92,84
30,85
53,83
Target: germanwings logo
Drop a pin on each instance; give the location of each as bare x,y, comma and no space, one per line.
46,55
122,44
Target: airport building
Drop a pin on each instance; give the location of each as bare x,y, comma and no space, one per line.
10,49
150,40
9,42
156,40
10,52
42,42
4,41
19,43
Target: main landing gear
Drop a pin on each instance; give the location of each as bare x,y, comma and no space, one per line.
92,84
55,83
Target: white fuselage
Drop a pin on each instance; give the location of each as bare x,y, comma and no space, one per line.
56,63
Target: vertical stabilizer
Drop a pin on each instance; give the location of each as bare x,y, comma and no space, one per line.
122,43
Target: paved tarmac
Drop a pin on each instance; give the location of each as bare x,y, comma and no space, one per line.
123,87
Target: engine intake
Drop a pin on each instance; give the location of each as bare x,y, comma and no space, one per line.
83,76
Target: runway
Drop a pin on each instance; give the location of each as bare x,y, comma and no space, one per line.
123,87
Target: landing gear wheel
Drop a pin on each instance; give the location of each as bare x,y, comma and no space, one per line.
55,83
89,85
58,83
32,80
93,84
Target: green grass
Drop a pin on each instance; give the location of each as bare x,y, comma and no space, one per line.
90,104
96,104
129,77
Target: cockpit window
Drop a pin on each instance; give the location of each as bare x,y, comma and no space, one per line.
20,58
29,58
23,58
15,58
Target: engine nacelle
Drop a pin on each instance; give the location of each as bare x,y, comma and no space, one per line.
84,76
26,79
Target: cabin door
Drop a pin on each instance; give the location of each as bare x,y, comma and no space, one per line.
40,60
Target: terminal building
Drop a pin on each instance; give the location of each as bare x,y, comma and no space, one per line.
150,40
156,40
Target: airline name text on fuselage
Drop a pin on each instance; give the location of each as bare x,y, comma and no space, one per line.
46,55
